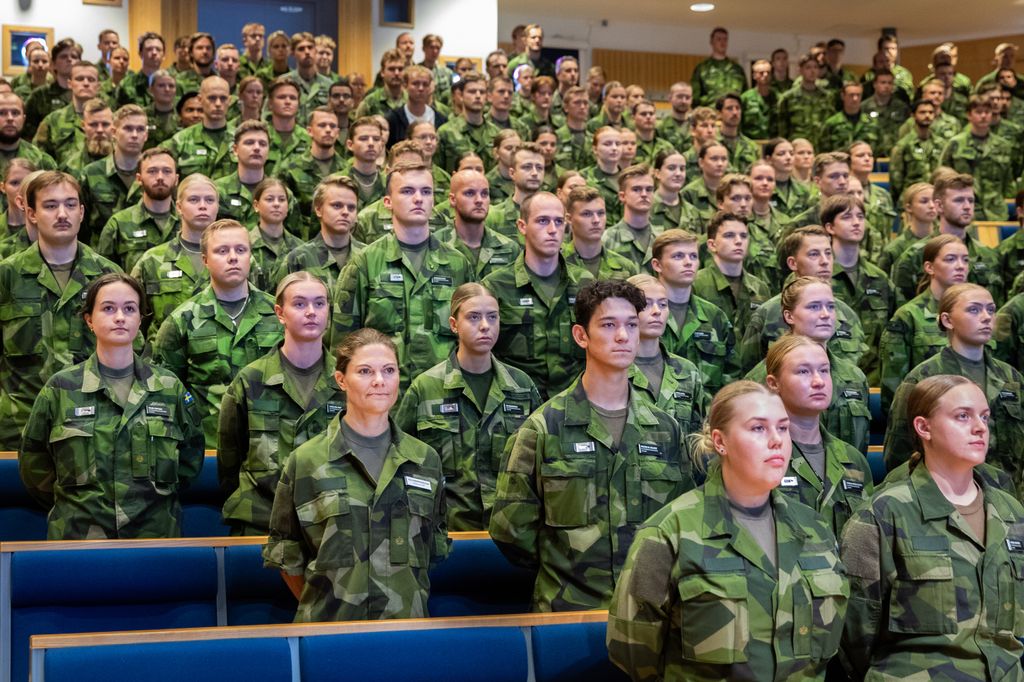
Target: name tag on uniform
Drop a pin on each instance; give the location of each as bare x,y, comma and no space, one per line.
1015,544
852,486
1007,395
681,395
511,408
421,483
498,260
584,447
386,227
572,300
139,233
174,274
157,410
89,411
333,407
200,151
396,277
790,482
526,300
235,202
649,449
850,393
441,280
449,408
843,334
978,265
872,292
754,306
701,335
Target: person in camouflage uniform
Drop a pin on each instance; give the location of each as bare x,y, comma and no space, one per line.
913,334
669,209
202,50
253,59
1011,250
675,127
402,283
503,146
61,134
649,143
303,172
886,110
111,184
366,144
112,440
670,382
734,580
743,151
633,236
467,407
916,222
603,175
954,196
760,104
359,512
133,230
469,132
985,157
790,196
697,329
916,156
945,126
585,210
825,473
804,109
41,289
64,55
840,129
161,112
574,141
313,86
390,95
717,75
526,171
937,562
764,221
535,295
334,204
223,328
485,249
590,465
725,282
12,146
135,86
967,313
174,271
98,124
205,147
287,136
270,242
275,404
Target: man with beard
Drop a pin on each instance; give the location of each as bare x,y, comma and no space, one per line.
391,95
916,155
132,231
63,56
60,134
201,49
470,131
12,121
676,126
98,123
531,56
985,156
313,85
135,88
303,172
205,147
108,185
486,249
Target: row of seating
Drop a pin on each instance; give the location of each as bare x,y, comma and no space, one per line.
111,585
559,646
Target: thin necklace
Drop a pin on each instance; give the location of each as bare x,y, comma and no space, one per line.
234,318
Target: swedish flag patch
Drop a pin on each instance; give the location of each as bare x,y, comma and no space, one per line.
189,400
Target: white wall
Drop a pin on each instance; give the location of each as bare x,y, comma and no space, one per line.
469,27
70,18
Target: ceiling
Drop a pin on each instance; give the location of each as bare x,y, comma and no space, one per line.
919,20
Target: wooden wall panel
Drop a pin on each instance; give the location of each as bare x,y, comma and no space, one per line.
975,56
355,38
169,18
143,16
655,71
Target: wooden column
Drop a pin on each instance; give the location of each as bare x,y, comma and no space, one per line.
169,18
355,37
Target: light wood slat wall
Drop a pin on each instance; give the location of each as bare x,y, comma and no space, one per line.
654,71
975,56
169,18
355,35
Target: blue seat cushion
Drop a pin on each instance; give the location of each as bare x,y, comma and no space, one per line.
573,651
477,580
255,595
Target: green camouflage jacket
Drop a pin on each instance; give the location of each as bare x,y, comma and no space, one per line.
440,409
713,78
134,89
792,197
766,326
301,173
496,250
986,268
880,216
267,256
198,150
28,151
681,393
316,258
502,216
762,259
677,134
166,273
536,333
892,251
60,134
162,126
697,194
911,337
1005,424
912,160
105,471
201,344
380,288
458,136
927,600
568,501
501,187
802,113
372,222
1011,253
41,103
682,215
989,161
838,131
760,114
699,599
14,242
620,238
743,151
707,339
132,231
848,416
262,419
944,127
377,102
367,193
647,150
298,145
43,331
312,93
104,194
870,294
236,202
608,186
610,265
1009,332
573,148
712,285
363,547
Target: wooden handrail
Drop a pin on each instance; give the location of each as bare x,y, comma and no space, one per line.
13,454
313,629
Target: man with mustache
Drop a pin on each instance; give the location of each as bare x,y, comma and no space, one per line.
132,231
98,124
12,146
202,49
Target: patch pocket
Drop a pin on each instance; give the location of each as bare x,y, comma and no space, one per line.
714,618
659,483
264,439
74,453
570,492
817,621
412,526
923,596
328,514
21,327
164,440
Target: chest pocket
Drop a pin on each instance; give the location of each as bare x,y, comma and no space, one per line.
155,443
923,595
440,304
660,482
327,520
412,527
21,327
516,335
719,599
264,437
73,452
570,492
385,310
854,419
442,434
818,606
1010,613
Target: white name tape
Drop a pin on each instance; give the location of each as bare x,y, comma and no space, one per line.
790,481
421,483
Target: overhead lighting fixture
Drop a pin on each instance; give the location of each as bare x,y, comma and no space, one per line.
702,7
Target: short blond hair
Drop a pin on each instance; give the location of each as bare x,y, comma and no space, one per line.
221,225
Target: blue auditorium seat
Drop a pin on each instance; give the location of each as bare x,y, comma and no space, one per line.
573,652
465,583
877,465
255,595
21,517
1007,231
201,503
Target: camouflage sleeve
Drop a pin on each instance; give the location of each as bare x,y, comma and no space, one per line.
169,349
286,547
898,445
860,550
1005,335
905,276
105,246
516,518
41,138
894,355
946,158
733,369
785,124
641,606
232,436
348,300
405,415
896,171
35,461
442,544
191,452
749,352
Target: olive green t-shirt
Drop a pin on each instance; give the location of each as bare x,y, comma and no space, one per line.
270,239
547,285
161,219
127,177
416,253
614,421
233,308
678,311
194,251
974,515
304,379
119,381
62,272
653,368
973,370
760,523
479,384
641,237
593,265
814,453
340,254
370,450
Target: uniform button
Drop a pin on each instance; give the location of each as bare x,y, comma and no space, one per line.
1007,606
399,541
634,502
804,630
140,458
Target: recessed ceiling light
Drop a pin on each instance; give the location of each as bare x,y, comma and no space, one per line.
702,6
